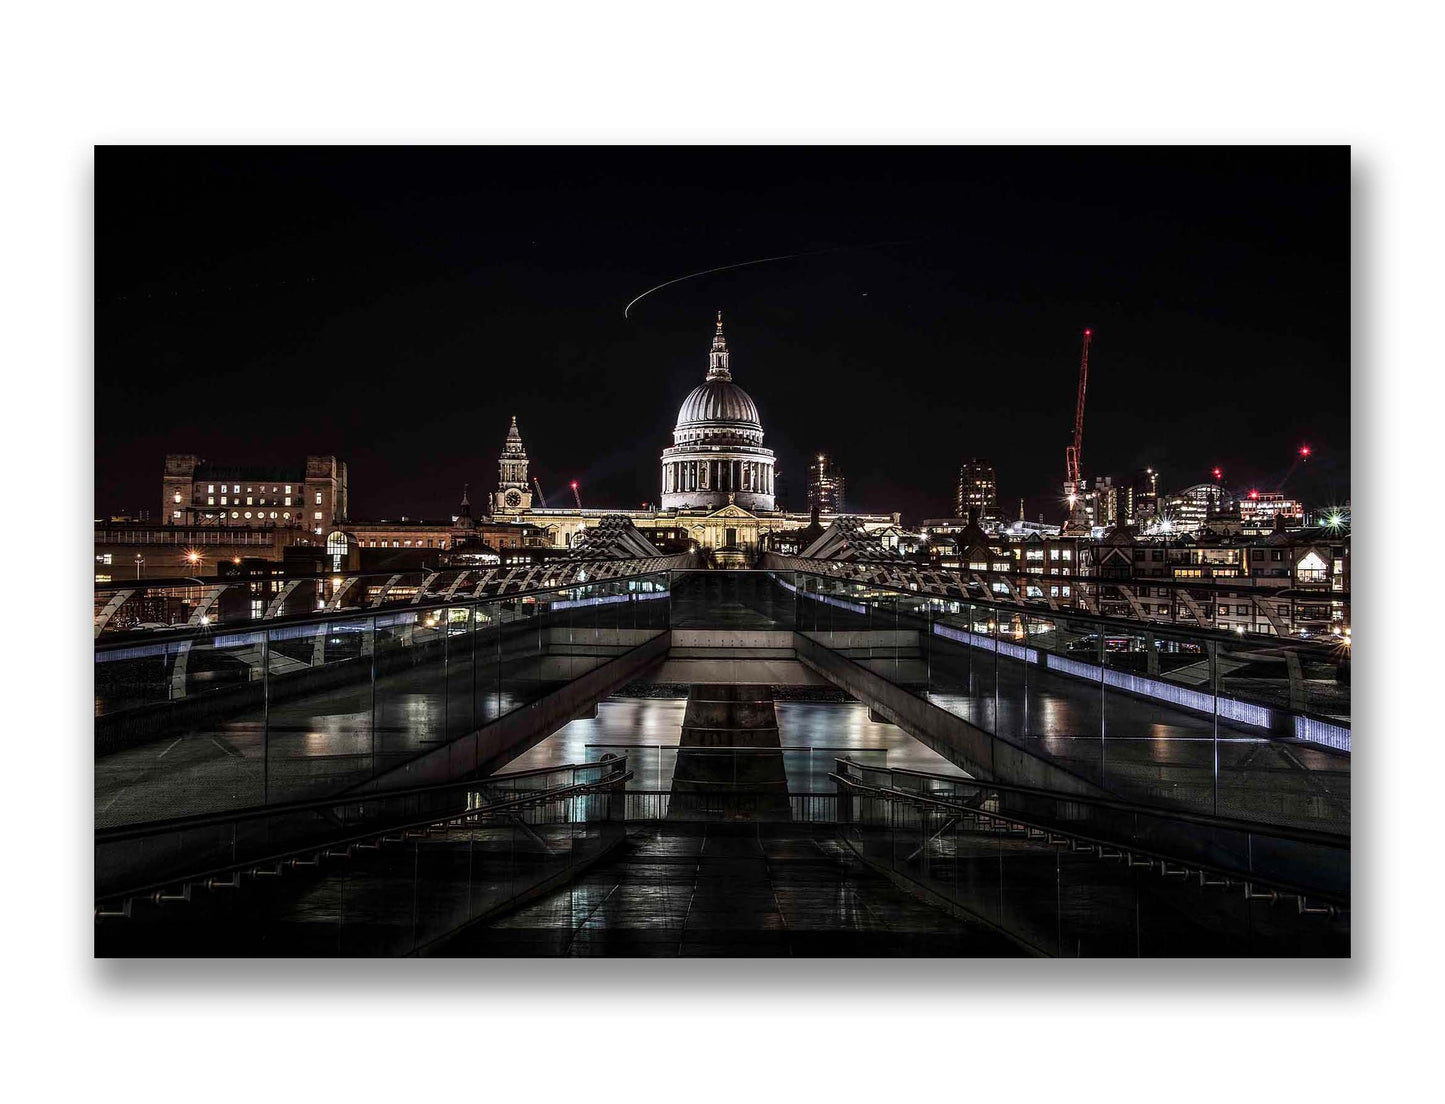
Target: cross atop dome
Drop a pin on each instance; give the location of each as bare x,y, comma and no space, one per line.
717,358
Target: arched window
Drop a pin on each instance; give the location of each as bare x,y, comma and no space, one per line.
337,546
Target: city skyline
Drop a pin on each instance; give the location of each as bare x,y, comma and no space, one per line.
808,333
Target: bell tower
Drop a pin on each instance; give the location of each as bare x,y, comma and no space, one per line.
513,495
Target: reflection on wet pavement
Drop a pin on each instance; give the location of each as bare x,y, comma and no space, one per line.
812,734
730,749
735,890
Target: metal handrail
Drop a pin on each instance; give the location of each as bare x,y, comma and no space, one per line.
1203,820
1069,833
375,830
133,637
1041,611
124,832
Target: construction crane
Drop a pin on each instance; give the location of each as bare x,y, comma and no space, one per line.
540,496
1074,453
576,494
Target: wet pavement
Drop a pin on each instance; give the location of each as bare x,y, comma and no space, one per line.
730,890
812,735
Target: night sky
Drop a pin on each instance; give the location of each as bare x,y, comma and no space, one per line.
396,306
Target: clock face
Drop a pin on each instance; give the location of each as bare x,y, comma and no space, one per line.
513,499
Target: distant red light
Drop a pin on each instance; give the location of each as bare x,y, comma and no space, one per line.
1218,473
574,484
1088,333
1305,450
1253,494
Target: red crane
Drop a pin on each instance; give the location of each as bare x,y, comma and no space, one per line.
1074,454
540,496
577,495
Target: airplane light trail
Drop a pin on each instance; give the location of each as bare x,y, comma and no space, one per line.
745,264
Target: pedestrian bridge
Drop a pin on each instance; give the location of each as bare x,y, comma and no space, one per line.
399,713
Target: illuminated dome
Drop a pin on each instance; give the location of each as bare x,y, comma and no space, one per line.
718,400
717,453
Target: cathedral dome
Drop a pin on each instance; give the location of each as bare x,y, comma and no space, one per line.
718,400
717,456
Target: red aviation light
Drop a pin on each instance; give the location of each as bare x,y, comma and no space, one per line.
1218,473
1253,494
1305,450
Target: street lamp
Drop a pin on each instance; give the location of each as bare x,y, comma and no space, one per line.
139,560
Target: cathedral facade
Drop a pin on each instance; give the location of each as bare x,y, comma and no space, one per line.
717,478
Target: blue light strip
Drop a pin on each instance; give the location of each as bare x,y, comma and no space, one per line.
1322,732
605,600
988,643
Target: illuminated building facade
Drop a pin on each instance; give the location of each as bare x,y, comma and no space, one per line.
978,488
825,485
1258,509
312,496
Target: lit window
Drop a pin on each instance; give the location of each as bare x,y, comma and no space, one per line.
210,488
210,500
102,578
318,515
288,498
1067,554
236,488
288,488
175,513
273,515
234,514
105,559
248,490
176,497
248,513
318,498
224,500
248,501
286,516
1053,553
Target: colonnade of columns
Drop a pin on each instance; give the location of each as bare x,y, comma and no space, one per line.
717,475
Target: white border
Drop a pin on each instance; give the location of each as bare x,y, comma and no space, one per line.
79,73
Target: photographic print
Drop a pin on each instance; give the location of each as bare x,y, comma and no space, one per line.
669,551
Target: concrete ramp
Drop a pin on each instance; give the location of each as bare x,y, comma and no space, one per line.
735,657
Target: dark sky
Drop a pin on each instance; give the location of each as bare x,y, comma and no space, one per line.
397,306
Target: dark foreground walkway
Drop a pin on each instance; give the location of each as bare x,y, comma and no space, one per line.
730,890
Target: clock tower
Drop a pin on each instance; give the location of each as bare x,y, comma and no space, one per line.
513,494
